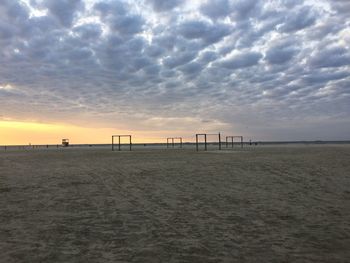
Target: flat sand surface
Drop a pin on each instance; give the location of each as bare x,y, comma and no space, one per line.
259,204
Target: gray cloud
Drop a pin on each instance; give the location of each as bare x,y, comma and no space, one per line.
164,5
202,30
242,60
281,52
88,31
208,56
191,68
119,18
130,24
331,57
291,3
341,6
244,8
111,7
216,8
6,31
299,19
64,10
179,59
14,11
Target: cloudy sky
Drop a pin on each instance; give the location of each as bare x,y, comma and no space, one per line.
268,70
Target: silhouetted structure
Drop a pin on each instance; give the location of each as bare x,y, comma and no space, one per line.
65,142
232,139
119,136
205,140
172,139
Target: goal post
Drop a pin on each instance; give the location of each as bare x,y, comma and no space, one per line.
118,143
205,135
231,138
171,141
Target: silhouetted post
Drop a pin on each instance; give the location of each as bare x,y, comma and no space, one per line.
180,142
241,141
119,141
197,142
219,141
205,141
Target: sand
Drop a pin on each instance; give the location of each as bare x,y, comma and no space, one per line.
259,204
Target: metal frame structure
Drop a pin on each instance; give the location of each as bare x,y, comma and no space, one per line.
173,141
232,138
119,136
205,140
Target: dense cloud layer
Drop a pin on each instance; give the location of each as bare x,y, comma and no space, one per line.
274,69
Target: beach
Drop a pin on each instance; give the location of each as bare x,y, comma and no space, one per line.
283,203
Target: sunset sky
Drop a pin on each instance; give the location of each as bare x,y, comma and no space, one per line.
87,69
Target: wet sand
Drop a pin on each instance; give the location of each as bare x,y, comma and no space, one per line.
259,204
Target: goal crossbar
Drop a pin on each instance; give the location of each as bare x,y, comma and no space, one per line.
172,140
232,139
120,136
205,140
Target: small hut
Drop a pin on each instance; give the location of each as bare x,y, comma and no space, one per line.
65,142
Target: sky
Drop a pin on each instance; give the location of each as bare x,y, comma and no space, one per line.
86,69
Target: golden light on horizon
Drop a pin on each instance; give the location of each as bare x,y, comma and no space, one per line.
25,132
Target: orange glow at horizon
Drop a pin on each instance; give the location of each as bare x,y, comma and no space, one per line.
23,133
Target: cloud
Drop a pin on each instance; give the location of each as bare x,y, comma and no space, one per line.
242,60
6,31
216,8
291,3
238,9
208,56
130,24
299,19
13,11
119,17
179,59
209,33
164,5
91,31
191,68
105,8
281,53
330,57
341,6
64,10
6,87
244,8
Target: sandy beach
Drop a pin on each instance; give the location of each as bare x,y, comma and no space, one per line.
259,204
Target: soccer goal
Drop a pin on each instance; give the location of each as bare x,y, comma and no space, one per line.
118,141
231,138
206,143
170,142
